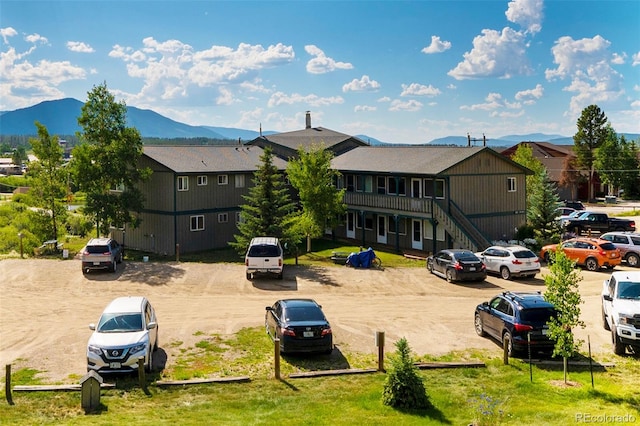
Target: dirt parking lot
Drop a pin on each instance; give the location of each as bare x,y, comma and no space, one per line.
46,306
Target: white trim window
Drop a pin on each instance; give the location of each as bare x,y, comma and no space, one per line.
223,180
202,180
183,183
197,223
223,217
511,184
239,179
429,188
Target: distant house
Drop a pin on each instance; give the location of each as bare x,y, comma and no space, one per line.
193,197
553,157
286,145
427,198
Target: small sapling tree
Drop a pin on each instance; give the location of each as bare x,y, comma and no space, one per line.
403,387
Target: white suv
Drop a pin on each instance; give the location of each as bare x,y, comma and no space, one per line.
510,261
126,331
101,253
621,310
264,256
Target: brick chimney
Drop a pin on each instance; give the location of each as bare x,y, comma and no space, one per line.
308,120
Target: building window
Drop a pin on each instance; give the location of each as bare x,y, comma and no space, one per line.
223,217
197,223
202,180
430,190
428,231
511,184
223,180
239,181
350,183
402,226
183,183
364,183
382,185
368,222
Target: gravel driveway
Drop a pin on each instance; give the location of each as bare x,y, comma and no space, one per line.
46,306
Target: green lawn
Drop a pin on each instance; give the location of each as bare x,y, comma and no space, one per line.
497,392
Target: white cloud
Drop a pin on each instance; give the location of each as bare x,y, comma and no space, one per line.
635,104
493,101
618,59
280,98
494,54
636,88
36,38
415,89
585,63
321,63
365,84
410,105
226,97
170,69
437,46
451,86
636,59
526,13
507,114
6,33
529,95
364,108
384,99
79,46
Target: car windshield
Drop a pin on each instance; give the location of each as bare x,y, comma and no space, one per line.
537,315
524,254
120,323
629,290
304,314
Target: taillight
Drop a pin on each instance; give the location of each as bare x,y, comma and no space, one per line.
457,266
522,327
602,253
483,266
246,262
326,331
279,262
287,332
516,262
536,261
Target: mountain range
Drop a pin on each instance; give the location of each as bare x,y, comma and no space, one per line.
61,118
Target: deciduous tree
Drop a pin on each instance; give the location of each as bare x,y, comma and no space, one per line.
49,177
563,292
105,163
311,174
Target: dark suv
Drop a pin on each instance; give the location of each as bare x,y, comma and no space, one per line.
515,316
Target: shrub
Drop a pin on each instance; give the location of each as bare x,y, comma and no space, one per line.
403,387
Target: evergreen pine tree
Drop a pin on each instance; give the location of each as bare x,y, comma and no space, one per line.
403,387
542,211
268,206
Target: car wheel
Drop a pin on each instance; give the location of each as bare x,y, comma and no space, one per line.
430,265
85,271
632,260
248,276
281,275
605,323
156,345
547,257
478,326
114,266
505,273
591,264
618,346
507,336
449,275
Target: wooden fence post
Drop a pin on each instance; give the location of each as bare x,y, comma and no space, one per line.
276,355
380,345
7,384
142,377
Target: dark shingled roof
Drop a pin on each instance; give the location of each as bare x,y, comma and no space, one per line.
209,158
312,135
404,159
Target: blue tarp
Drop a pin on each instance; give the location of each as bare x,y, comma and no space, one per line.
361,259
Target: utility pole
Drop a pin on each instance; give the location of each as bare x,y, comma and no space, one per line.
470,139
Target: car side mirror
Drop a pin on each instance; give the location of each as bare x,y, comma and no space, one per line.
92,326
607,297
485,303
152,325
269,308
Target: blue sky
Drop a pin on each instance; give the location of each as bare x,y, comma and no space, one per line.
405,72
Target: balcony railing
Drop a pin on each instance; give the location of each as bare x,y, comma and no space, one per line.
388,202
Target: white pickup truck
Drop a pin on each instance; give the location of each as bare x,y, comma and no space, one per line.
621,310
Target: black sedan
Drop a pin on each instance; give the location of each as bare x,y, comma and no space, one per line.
457,265
300,325
520,318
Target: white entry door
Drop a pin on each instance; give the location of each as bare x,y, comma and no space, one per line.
382,229
351,225
416,234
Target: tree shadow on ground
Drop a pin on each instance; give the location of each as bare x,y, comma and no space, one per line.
314,273
153,274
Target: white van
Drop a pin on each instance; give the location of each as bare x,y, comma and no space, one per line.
264,256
